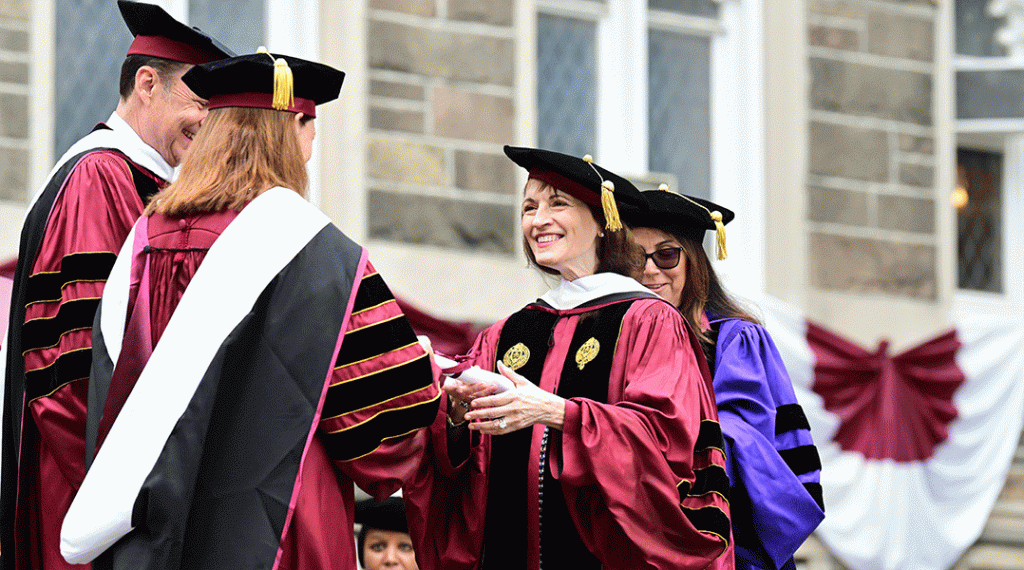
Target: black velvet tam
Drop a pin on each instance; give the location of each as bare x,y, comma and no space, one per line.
249,80
574,176
686,217
388,514
158,34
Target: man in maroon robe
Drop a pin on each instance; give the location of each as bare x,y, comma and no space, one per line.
74,227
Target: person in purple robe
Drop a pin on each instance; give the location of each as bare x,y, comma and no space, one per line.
773,464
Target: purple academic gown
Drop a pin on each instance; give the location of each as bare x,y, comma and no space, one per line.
772,462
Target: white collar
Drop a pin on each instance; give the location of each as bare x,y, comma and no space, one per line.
140,152
571,294
119,136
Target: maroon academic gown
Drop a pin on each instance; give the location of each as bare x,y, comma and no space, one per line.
638,469
92,213
379,344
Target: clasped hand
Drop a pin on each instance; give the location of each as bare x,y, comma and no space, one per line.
508,411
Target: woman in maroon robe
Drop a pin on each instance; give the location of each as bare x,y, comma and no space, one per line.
239,448
607,453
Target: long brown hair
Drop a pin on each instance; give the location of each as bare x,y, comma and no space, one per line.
703,292
617,252
238,154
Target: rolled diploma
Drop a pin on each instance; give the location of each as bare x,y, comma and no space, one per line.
475,375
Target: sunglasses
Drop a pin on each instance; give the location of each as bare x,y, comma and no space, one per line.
665,258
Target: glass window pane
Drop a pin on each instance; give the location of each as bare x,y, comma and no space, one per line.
707,8
237,24
979,220
90,46
679,112
566,84
990,94
976,30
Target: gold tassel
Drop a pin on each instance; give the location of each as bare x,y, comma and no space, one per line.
284,85
284,82
716,216
611,211
663,187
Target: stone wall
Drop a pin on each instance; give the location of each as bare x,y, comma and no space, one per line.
14,115
871,181
440,109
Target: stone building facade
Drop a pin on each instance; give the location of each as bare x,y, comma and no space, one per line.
833,127
869,91
437,123
15,142
14,116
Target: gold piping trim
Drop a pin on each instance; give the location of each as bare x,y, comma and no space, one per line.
719,493
380,403
388,320
378,446
376,356
54,362
58,388
378,305
55,316
62,335
62,287
387,410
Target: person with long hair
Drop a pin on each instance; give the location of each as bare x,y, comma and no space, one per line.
774,467
250,364
606,452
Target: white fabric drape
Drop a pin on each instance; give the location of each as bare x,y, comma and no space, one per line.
922,515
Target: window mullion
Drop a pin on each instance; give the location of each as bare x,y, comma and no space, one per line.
291,29
622,90
1012,212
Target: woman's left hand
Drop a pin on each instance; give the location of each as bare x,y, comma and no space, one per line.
516,409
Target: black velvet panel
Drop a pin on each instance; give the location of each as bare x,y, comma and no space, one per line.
218,495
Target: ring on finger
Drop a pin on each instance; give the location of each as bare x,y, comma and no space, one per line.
501,422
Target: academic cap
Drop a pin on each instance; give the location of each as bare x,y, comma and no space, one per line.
687,217
583,179
388,514
266,81
157,34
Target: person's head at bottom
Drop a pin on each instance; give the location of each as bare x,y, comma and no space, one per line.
384,540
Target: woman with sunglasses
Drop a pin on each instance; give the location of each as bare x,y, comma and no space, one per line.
607,453
773,465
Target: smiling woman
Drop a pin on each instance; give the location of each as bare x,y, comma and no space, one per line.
773,464
610,406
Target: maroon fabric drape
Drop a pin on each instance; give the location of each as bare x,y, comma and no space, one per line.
7,269
889,406
446,337
6,283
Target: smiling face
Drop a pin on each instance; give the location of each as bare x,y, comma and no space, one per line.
667,283
560,230
173,117
388,549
